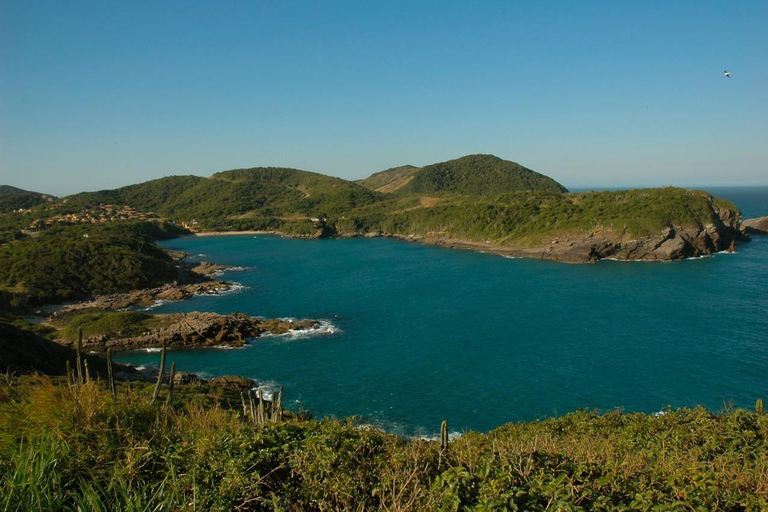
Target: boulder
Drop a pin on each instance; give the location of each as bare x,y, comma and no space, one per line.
186,378
757,226
232,382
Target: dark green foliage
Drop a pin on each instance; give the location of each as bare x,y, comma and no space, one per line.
26,348
11,190
83,448
480,175
24,200
61,263
261,195
529,217
148,196
97,323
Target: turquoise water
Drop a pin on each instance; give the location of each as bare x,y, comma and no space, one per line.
425,334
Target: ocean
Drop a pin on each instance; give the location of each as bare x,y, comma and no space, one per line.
414,335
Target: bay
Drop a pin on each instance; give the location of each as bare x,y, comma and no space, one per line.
420,334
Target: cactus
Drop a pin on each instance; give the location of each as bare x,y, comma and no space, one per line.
253,408
87,373
170,385
245,408
444,435
111,375
277,406
159,375
69,374
759,406
261,418
80,356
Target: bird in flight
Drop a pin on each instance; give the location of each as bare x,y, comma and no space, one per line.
727,74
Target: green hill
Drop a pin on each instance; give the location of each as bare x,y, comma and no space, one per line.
257,198
74,262
8,189
13,198
478,175
390,180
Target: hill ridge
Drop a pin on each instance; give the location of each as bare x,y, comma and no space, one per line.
476,174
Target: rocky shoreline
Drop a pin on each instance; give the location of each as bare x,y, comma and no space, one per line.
674,242
196,330
757,226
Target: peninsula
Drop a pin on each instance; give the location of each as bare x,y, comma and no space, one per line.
477,202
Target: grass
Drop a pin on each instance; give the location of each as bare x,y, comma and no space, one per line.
77,448
97,323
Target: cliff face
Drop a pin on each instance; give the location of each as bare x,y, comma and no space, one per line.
675,242
758,226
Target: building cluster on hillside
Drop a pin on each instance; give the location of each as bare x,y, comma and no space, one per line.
99,215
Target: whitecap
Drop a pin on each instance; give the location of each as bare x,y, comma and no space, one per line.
232,287
151,349
325,328
268,389
436,437
157,303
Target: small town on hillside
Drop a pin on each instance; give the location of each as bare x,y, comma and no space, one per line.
99,215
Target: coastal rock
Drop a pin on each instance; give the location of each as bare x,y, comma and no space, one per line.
185,378
674,242
149,296
757,226
196,330
205,268
232,382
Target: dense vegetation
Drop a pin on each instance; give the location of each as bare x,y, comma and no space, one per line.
77,448
525,218
12,202
257,198
478,175
476,197
117,323
72,262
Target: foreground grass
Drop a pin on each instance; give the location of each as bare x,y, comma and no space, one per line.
77,448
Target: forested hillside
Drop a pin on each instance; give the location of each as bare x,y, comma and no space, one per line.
74,262
13,198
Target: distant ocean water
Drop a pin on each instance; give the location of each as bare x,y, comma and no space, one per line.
417,334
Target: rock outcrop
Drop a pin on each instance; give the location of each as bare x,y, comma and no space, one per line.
147,297
674,242
758,226
197,330
232,382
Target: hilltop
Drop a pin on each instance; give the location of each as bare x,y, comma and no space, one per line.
13,198
255,198
390,180
480,175
476,201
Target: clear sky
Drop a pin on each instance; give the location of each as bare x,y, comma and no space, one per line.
103,94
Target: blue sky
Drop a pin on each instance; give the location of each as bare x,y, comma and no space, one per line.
103,94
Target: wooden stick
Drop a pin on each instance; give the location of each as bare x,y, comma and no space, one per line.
80,356
159,375
111,375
